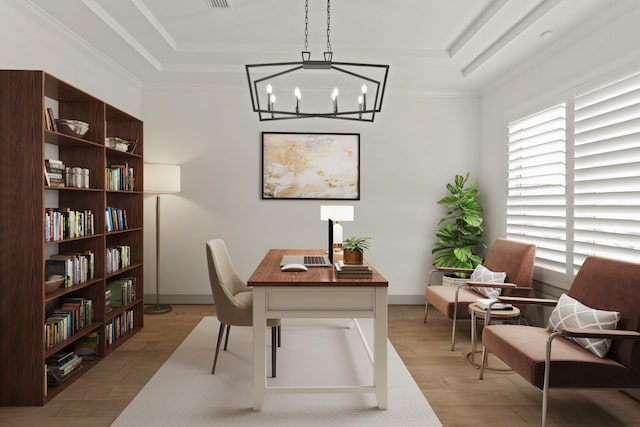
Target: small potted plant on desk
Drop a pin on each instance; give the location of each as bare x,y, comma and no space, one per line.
353,249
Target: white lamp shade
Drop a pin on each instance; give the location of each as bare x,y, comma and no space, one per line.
336,213
160,178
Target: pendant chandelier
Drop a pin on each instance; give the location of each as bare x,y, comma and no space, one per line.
317,88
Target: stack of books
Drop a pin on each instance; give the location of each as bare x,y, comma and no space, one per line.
121,144
353,271
86,347
484,303
62,365
54,171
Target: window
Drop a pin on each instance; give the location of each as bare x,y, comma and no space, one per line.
574,178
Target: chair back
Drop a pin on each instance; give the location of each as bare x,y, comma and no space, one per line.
514,258
226,287
612,285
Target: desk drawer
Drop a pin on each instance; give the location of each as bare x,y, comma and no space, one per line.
319,302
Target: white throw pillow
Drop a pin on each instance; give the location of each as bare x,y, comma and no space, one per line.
483,274
570,313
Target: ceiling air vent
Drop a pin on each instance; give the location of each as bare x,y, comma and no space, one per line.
219,4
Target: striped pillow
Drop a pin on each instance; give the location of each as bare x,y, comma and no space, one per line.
570,313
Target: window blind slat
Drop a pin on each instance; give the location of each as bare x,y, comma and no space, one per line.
598,212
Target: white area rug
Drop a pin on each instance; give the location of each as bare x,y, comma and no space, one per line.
314,352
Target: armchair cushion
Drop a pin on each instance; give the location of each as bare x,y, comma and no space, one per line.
570,313
483,274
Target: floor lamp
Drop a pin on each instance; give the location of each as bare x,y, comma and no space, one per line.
160,179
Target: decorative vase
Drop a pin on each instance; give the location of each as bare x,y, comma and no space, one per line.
352,257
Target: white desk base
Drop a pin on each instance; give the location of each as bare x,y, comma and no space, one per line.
281,302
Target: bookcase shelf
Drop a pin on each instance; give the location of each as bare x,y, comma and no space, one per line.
26,256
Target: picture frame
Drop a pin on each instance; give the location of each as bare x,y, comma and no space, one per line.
310,166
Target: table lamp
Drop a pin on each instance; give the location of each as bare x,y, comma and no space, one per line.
160,179
337,214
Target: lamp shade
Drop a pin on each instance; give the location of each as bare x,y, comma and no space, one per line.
336,213
159,178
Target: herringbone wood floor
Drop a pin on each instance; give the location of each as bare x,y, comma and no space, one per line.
449,383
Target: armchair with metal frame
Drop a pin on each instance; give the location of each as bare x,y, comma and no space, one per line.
512,257
544,359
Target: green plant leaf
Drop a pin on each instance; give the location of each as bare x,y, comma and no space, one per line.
460,230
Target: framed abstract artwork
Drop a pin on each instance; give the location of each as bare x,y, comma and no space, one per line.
321,166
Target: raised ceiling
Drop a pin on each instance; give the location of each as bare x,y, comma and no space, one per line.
432,46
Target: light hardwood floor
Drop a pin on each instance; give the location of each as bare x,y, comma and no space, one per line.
449,383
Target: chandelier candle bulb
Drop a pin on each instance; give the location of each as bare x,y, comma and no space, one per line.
270,97
364,96
334,96
298,95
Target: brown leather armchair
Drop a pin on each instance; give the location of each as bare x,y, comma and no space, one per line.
546,360
514,258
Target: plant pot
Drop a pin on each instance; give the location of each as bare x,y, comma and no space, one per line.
349,257
448,280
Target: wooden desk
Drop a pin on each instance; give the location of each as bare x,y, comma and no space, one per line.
317,293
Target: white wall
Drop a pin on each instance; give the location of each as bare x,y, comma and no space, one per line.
564,65
30,42
415,146
407,156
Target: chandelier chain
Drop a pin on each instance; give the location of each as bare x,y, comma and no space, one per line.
306,25
328,25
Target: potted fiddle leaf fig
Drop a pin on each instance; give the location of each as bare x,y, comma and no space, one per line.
353,249
460,232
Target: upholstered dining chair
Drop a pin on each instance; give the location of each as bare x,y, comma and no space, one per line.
512,259
592,340
233,299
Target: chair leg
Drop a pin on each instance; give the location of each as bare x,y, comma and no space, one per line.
453,334
279,336
215,358
484,361
226,338
274,332
426,309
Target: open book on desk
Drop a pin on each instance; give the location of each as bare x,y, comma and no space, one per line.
483,303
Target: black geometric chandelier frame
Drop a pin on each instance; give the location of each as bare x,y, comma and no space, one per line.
263,96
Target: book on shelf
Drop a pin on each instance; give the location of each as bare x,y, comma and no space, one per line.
57,374
123,291
119,177
79,267
54,172
87,346
115,219
118,257
121,144
107,301
50,120
64,223
118,326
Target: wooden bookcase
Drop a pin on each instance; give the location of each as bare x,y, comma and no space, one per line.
25,143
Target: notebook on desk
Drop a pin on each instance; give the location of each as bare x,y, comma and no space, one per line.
313,260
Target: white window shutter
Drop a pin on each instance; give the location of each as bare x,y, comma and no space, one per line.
536,198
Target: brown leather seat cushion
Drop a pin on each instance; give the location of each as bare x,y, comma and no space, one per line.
442,297
523,349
